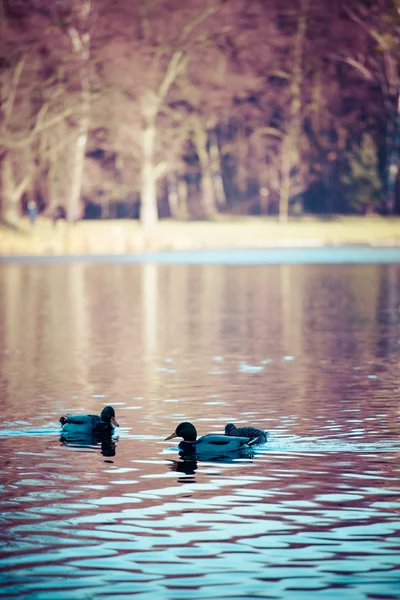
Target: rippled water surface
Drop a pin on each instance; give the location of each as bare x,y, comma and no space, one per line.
308,352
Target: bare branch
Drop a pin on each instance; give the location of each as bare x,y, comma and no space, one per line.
189,27
28,138
176,62
13,91
281,74
170,75
267,131
370,30
356,64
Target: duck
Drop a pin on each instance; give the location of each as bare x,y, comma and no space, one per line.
89,424
258,436
211,443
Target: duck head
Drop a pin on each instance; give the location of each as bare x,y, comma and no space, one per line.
187,431
108,415
230,429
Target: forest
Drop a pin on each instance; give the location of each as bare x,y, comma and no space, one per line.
190,109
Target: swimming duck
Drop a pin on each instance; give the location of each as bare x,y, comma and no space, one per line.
208,444
258,436
88,424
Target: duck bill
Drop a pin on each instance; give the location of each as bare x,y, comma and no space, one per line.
114,422
170,437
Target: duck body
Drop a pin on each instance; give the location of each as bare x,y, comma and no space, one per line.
257,436
86,425
213,442
210,444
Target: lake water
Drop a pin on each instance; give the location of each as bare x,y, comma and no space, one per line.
309,352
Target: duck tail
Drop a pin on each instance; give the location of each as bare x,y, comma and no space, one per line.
259,439
253,441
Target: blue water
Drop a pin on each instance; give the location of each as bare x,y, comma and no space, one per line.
309,353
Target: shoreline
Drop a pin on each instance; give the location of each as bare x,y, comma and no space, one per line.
121,238
311,255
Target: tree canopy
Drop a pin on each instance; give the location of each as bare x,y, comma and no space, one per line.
156,107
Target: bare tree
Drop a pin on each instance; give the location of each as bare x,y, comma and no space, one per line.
377,62
151,104
35,98
290,147
79,33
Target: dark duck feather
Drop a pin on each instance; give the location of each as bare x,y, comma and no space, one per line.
89,424
208,444
257,436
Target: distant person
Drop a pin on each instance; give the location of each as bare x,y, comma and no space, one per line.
32,211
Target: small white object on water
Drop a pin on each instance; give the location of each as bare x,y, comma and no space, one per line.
372,376
214,403
246,368
288,358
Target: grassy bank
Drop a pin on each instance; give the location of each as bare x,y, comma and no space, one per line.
121,237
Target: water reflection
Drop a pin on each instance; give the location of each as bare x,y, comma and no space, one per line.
188,466
106,442
191,454
308,353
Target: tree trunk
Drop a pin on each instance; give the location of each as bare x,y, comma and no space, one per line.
207,192
183,199
74,208
148,188
264,199
291,140
12,191
173,197
207,188
215,161
392,168
9,212
266,176
242,153
79,34
285,180
393,173
177,197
